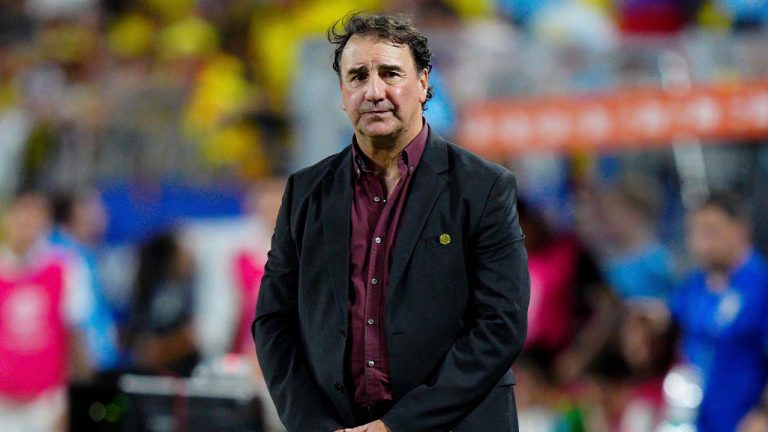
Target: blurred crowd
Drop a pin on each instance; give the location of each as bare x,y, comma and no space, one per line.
626,336
628,284
615,316
95,89
65,334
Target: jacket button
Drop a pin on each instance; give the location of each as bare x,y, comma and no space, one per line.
342,334
339,388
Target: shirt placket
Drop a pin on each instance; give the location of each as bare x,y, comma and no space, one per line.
373,293
383,235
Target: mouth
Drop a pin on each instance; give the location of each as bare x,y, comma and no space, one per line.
376,112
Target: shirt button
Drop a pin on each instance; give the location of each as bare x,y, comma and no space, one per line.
377,240
376,199
371,321
374,281
371,363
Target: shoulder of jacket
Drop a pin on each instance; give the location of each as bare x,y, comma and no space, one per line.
305,178
319,168
482,170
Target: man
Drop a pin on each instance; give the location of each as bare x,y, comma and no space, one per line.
43,306
395,294
721,309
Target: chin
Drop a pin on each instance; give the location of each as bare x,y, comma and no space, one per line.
378,131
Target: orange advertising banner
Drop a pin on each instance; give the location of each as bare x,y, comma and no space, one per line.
625,119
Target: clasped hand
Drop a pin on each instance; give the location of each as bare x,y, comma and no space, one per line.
375,426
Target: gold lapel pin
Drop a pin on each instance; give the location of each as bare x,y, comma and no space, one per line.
445,239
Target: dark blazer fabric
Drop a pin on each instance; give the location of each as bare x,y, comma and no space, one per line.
455,310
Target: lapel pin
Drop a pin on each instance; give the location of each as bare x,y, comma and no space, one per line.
445,239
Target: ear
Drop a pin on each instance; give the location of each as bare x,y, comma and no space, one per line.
424,84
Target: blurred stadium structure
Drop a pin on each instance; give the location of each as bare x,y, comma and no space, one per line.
186,114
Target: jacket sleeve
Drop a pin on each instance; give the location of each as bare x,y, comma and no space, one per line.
301,404
494,334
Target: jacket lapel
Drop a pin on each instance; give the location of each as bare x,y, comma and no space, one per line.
336,214
423,193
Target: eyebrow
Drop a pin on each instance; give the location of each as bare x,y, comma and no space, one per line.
390,68
384,67
357,70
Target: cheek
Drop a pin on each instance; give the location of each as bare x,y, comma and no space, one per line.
350,98
351,103
404,99
696,244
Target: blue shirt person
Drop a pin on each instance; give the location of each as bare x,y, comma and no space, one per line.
722,308
80,221
636,263
645,272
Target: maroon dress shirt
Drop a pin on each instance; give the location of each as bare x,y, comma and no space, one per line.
374,227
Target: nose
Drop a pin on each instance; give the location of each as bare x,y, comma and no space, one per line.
374,91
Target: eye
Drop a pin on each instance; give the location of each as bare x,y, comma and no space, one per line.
390,74
358,77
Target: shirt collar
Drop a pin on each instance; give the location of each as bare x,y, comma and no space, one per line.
744,264
411,154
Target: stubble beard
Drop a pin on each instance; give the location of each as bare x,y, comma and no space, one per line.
384,142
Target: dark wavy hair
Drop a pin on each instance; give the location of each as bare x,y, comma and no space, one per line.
728,202
396,29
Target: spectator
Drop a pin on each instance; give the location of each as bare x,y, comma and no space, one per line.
161,338
262,205
625,380
80,221
543,404
43,306
721,309
613,401
569,321
636,264
562,277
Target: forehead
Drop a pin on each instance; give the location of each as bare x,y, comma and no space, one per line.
367,50
30,202
713,215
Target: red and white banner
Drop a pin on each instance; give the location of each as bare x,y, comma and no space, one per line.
637,118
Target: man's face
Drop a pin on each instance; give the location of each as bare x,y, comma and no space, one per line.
715,239
381,89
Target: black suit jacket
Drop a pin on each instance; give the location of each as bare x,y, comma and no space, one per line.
455,313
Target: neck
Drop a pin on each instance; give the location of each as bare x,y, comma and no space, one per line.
717,280
382,159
